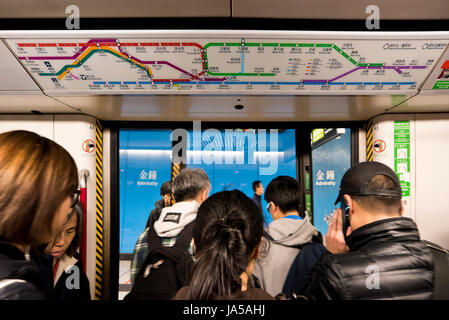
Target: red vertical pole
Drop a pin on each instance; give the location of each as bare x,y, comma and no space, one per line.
83,246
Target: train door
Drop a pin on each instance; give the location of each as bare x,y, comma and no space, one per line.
331,157
233,158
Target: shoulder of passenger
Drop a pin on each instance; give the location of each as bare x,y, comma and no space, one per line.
21,291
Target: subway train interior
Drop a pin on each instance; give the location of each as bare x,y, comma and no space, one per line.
244,89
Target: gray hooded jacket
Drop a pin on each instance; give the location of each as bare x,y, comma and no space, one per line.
272,267
173,219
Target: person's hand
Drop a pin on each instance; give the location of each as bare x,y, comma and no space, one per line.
334,239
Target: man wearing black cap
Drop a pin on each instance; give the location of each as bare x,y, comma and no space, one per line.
374,252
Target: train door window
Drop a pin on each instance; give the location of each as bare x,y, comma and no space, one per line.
144,164
331,157
232,158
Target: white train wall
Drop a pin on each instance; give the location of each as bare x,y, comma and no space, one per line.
426,154
70,131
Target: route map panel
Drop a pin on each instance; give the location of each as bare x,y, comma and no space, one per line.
228,66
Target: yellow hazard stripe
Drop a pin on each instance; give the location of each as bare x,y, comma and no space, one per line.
176,168
99,213
369,141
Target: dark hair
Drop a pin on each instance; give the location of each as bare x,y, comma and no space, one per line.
76,242
256,184
166,188
283,191
36,176
228,228
189,183
388,205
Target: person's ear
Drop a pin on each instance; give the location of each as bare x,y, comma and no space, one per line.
349,203
402,208
275,211
204,195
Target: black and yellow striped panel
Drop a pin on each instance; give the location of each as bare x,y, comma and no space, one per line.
175,170
369,140
99,213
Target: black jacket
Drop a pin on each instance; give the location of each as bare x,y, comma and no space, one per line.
390,246
258,201
14,266
72,284
155,213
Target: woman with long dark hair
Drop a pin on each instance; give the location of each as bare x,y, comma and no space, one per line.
228,238
69,280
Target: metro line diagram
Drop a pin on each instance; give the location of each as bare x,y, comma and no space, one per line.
244,65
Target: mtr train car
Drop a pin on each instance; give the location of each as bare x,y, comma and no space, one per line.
245,89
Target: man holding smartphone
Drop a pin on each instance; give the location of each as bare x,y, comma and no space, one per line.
380,255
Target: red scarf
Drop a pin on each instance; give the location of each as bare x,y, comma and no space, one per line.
55,269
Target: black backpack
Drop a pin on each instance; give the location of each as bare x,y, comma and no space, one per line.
304,262
441,268
301,266
165,270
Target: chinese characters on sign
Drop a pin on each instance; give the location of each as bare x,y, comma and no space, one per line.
402,154
325,179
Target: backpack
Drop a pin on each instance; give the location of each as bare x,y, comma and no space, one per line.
165,270
303,263
441,267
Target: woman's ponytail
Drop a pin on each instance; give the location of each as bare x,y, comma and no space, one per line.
227,229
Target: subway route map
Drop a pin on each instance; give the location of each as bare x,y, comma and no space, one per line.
228,66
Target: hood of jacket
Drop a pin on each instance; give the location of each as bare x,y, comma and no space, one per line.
292,232
173,219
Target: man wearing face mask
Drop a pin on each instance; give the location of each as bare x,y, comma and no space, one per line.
380,255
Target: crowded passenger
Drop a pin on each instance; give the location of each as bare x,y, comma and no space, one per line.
38,183
258,192
228,238
380,255
140,251
171,237
70,281
287,234
166,201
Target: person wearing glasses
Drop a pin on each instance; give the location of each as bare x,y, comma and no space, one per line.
38,179
69,280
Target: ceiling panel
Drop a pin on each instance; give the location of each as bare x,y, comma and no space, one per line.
26,102
114,8
13,76
424,103
222,108
341,9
